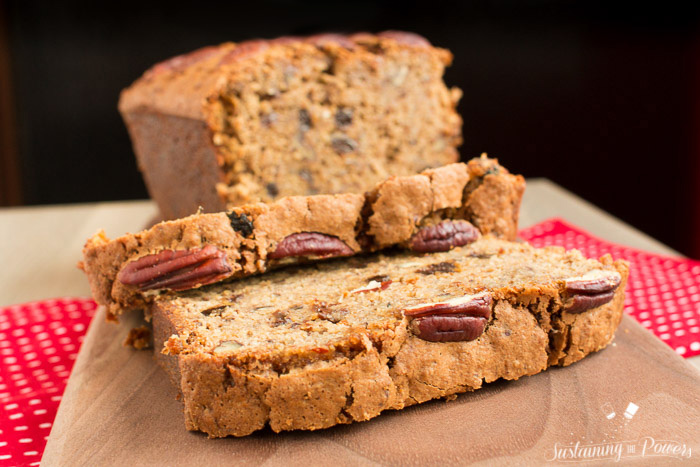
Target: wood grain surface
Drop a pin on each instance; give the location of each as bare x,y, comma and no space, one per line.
120,409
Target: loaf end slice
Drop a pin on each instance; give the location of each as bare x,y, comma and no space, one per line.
433,211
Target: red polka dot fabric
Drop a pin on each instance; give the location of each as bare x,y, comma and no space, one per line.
39,341
38,345
663,293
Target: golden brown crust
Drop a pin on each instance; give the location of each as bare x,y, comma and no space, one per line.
335,215
399,202
447,184
493,205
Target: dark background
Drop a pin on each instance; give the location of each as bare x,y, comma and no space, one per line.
601,97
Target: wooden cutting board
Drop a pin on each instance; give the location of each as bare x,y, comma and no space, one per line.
119,409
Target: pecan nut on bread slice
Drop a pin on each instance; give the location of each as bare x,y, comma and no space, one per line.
240,123
432,211
336,342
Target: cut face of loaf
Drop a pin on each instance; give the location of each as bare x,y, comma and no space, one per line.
433,211
240,123
342,341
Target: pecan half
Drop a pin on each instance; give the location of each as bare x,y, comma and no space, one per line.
593,289
594,282
581,303
176,269
310,244
473,305
449,328
458,319
443,236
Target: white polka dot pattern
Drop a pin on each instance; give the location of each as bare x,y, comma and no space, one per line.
663,293
38,345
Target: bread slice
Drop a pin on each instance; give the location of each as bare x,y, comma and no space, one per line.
240,123
432,211
336,342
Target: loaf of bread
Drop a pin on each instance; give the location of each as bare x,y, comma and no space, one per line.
432,211
335,342
240,123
